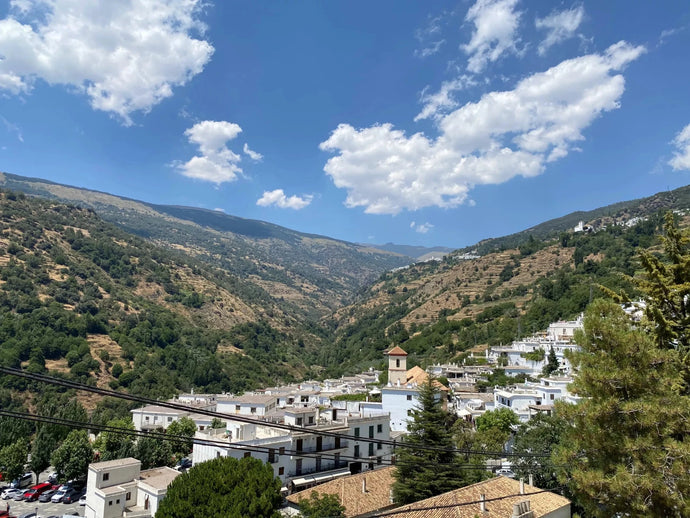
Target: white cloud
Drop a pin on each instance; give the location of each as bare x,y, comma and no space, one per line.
12,128
681,158
257,157
561,25
435,104
495,28
216,162
503,135
429,37
125,56
422,228
278,198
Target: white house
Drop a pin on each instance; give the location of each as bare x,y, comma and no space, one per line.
301,458
119,489
248,404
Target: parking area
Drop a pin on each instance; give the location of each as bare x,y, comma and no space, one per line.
44,509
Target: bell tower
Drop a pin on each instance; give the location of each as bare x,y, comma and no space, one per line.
397,366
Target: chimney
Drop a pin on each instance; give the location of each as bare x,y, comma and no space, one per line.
531,480
364,484
522,486
482,503
390,496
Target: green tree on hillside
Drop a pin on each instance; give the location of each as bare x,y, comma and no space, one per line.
423,473
224,488
12,459
184,427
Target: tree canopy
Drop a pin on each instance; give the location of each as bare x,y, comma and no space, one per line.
224,488
321,506
72,458
422,473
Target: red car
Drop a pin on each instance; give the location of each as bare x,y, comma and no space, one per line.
35,491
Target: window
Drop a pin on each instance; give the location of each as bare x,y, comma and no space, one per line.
247,454
106,477
357,432
281,470
409,412
409,397
318,463
146,418
356,451
170,419
379,460
128,496
253,410
371,431
201,428
397,363
237,409
271,455
298,467
379,428
299,421
117,501
337,442
311,419
110,502
300,443
379,446
551,397
371,449
281,450
218,455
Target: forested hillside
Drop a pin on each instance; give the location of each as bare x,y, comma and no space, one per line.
438,310
314,274
81,297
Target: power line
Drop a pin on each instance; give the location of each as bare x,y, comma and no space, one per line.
244,419
222,444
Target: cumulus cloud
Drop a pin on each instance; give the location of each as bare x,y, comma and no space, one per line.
495,32
443,100
257,157
422,228
681,158
278,198
560,26
125,56
216,162
502,135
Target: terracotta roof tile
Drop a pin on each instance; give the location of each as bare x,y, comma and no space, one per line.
349,491
445,505
396,351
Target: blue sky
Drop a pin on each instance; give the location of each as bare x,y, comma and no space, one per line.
431,123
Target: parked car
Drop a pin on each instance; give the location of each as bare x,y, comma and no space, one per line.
31,514
82,499
73,495
52,478
23,481
35,491
47,495
506,472
184,464
59,494
10,493
20,496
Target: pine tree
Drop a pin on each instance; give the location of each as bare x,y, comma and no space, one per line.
625,449
424,473
552,364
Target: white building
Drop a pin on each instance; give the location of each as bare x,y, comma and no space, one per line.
304,457
119,489
248,404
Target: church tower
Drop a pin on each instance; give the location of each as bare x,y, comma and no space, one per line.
397,366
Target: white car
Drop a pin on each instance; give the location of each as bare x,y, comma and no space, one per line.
57,497
82,500
506,472
8,494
